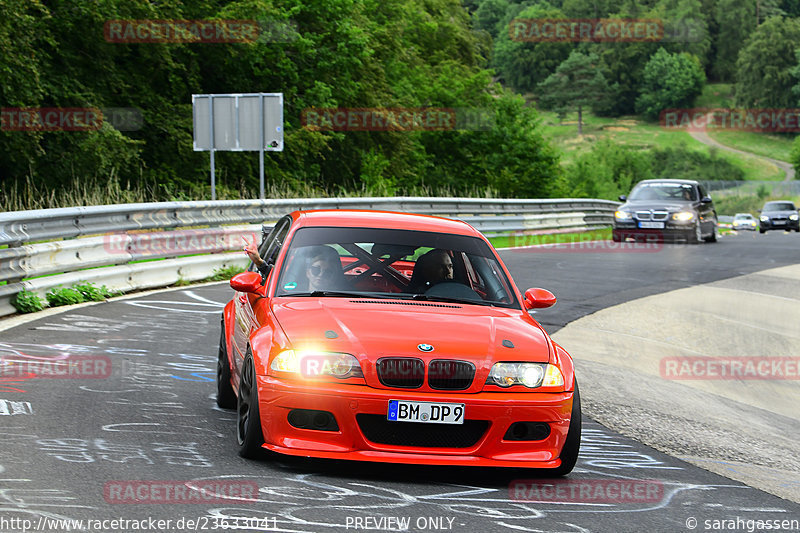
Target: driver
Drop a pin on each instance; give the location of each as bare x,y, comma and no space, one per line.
432,267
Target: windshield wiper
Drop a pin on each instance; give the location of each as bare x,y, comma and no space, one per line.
336,294
450,300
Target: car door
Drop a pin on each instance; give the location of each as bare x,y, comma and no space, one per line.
245,317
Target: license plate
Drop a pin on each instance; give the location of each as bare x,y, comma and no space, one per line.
779,222
428,412
651,225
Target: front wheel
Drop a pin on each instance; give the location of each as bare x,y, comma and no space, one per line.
714,234
572,445
696,236
248,418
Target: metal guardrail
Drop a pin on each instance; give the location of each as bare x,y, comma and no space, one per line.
109,245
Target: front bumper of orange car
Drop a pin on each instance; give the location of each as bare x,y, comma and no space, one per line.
364,434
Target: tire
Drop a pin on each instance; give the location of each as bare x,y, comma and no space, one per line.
714,234
696,236
762,230
572,445
248,418
226,398
616,237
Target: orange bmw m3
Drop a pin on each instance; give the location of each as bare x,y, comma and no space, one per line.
377,336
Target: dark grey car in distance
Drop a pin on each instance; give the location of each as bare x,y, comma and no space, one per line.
780,215
666,209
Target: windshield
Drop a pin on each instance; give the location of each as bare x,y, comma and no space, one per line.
743,217
680,192
390,263
779,206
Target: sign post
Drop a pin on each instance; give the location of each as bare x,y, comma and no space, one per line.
238,123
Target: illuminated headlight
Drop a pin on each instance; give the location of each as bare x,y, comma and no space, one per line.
286,361
683,216
792,217
531,375
763,218
622,215
314,364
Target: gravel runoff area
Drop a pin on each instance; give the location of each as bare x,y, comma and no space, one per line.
632,363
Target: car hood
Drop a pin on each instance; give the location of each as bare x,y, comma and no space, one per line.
376,328
644,205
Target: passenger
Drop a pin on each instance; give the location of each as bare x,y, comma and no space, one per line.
321,266
432,267
324,269
251,250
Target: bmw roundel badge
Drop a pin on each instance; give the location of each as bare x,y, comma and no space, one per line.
425,347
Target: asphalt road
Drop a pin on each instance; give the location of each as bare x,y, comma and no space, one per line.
140,416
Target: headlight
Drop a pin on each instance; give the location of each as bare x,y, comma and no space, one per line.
622,215
531,375
763,218
315,364
683,216
792,217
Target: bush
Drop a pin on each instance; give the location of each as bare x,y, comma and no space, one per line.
682,163
91,293
607,171
223,274
27,302
64,296
794,155
611,169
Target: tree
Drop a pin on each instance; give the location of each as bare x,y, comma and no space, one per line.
669,81
763,70
578,82
489,16
685,27
736,21
794,72
520,64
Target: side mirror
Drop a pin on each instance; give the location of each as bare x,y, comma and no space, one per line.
706,200
623,198
539,299
246,282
